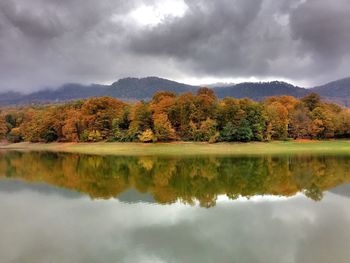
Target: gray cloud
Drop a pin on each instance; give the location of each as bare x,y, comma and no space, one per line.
46,43
256,38
322,29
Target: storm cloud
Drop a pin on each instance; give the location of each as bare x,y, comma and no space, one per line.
50,42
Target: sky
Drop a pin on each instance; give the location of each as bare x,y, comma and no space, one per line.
45,43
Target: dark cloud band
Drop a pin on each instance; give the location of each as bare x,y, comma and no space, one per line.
46,43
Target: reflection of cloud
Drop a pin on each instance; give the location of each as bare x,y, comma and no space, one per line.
133,196
15,185
50,228
343,190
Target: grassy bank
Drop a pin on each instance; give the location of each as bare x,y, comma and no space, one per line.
184,148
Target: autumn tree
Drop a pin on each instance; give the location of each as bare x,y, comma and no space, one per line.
15,135
163,129
98,114
161,104
72,125
147,136
205,105
166,117
181,114
288,102
230,111
14,117
206,131
141,120
300,122
323,123
3,127
342,124
277,118
311,101
42,125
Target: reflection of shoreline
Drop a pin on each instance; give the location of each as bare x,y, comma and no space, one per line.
190,148
167,180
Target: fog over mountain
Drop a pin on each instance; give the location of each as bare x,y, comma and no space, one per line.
47,43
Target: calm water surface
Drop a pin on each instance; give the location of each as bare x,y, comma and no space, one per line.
84,208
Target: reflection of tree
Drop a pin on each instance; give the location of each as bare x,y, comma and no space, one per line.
188,179
314,192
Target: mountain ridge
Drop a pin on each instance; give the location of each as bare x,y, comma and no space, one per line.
143,89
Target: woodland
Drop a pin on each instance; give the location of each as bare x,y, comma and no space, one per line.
170,117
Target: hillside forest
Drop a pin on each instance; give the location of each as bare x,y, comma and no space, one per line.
171,117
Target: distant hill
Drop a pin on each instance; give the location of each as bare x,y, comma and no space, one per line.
260,90
10,98
338,91
128,89
66,92
144,88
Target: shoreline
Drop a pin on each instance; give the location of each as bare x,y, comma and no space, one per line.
189,148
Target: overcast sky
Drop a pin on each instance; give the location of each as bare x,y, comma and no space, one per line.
50,42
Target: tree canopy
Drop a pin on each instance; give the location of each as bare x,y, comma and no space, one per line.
168,117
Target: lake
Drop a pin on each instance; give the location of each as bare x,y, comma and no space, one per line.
60,207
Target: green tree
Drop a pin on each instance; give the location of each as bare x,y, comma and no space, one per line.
15,135
229,132
244,133
311,101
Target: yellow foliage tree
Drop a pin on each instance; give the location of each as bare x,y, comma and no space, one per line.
3,127
147,136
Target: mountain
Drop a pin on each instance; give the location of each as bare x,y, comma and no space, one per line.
10,98
338,91
127,89
67,92
144,88
260,90
64,93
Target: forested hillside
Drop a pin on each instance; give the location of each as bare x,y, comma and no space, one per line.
260,90
127,89
169,117
131,89
337,91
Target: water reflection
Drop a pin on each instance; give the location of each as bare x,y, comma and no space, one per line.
169,179
40,227
54,208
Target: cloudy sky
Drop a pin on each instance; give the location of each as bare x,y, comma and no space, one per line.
50,42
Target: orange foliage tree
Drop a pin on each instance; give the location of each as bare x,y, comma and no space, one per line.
167,116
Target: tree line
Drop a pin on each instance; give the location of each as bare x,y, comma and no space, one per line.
169,117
